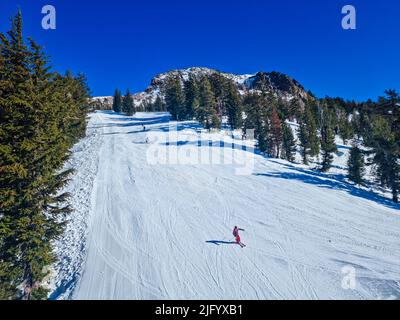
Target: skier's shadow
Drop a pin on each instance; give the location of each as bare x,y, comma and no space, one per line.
219,242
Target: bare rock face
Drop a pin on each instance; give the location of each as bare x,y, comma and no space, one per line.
277,82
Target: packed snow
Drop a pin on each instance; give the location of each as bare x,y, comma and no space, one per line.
155,210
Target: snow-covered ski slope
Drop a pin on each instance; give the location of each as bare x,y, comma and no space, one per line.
164,231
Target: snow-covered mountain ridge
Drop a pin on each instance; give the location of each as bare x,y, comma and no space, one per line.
275,82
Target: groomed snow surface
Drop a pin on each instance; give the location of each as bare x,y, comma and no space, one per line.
154,220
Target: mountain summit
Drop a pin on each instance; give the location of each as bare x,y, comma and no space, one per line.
275,82
279,84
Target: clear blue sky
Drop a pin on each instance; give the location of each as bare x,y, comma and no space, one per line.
124,43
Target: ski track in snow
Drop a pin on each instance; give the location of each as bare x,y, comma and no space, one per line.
143,231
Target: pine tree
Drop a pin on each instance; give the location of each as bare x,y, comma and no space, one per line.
174,98
149,106
257,119
16,119
356,166
345,130
254,108
158,105
191,92
363,126
127,104
395,177
308,134
219,86
276,134
117,102
304,141
233,107
289,144
294,109
80,95
312,131
393,101
262,139
206,112
328,147
42,115
386,153
215,121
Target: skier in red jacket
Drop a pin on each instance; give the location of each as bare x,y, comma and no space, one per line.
237,236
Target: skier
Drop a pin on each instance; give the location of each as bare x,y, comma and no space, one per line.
237,236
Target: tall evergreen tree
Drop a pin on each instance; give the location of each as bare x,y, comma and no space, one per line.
276,134
158,104
294,109
42,115
328,147
312,128
362,125
191,91
174,98
206,112
386,154
345,130
308,135
289,144
256,108
117,102
127,104
304,141
215,121
233,107
15,112
356,166
219,86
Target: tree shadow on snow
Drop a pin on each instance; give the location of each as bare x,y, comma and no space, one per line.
162,123
211,144
327,181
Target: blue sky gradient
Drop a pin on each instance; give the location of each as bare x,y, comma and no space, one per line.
124,43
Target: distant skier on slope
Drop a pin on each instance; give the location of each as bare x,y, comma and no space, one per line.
237,236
